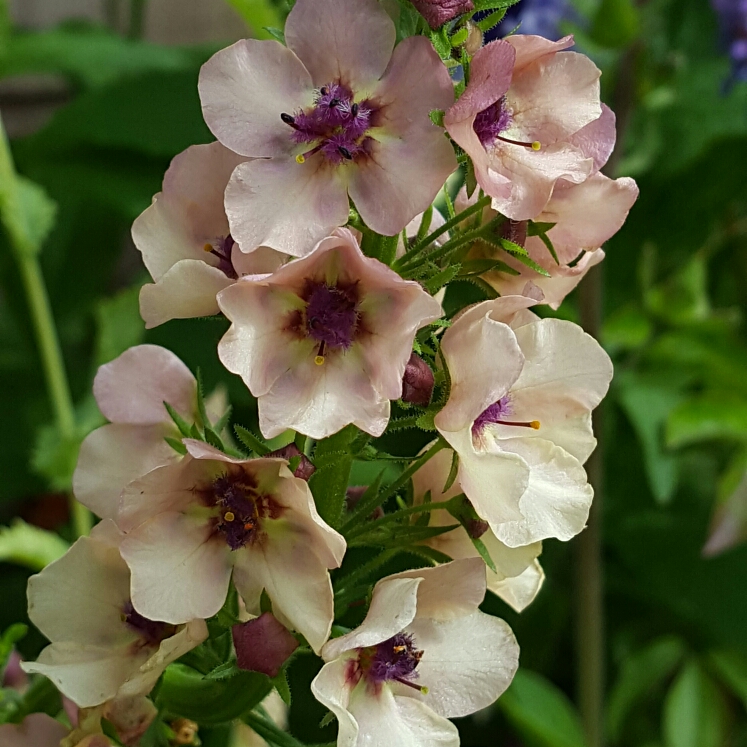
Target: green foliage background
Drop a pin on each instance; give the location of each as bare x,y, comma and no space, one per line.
675,295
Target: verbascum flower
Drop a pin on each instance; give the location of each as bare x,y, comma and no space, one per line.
102,647
324,341
585,215
424,654
193,524
130,392
336,113
186,242
530,115
519,417
518,576
438,12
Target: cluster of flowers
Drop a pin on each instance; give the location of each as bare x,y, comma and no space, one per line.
309,224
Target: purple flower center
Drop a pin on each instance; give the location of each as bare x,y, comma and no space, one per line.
237,499
336,125
496,414
331,316
151,631
395,659
491,122
221,248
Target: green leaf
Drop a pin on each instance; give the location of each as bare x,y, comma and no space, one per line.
185,692
177,445
276,34
627,328
437,281
459,37
426,421
27,211
731,668
259,15
280,683
250,440
641,673
472,267
437,117
530,263
715,415
441,43
484,553
615,24
535,228
694,711
214,439
30,546
224,671
539,711
185,428
648,401
490,21
8,640
118,325
453,472
330,481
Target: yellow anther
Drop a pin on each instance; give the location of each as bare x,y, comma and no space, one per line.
536,145
535,424
207,248
399,649
228,516
319,360
300,158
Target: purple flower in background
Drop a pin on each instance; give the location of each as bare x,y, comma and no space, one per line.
733,21
540,17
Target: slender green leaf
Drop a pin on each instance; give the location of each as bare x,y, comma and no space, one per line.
259,15
250,440
30,546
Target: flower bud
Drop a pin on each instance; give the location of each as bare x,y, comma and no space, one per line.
417,384
438,12
263,645
305,468
515,231
474,38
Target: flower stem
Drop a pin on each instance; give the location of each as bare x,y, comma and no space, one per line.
29,268
269,731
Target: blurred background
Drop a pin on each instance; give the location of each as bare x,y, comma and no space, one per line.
98,95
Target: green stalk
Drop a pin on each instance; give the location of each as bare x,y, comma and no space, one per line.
27,257
137,19
397,515
428,240
269,731
363,510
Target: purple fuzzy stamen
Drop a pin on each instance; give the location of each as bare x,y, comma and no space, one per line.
336,125
222,249
331,316
491,122
395,659
493,414
152,631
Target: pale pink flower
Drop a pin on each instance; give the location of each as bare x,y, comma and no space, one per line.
130,392
102,648
586,215
324,341
37,730
424,654
192,524
519,417
530,115
186,242
518,577
336,113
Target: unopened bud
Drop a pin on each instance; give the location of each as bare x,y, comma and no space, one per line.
474,38
417,383
263,645
305,468
185,731
476,527
353,496
515,231
438,12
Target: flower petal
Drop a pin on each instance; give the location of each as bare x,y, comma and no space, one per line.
88,675
133,387
180,572
286,205
341,41
410,159
468,662
597,139
393,607
114,455
170,649
186,290
518,591
81,596
484,360
189,212
558,497
295,578
331,688
530,48
387,720
245,88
